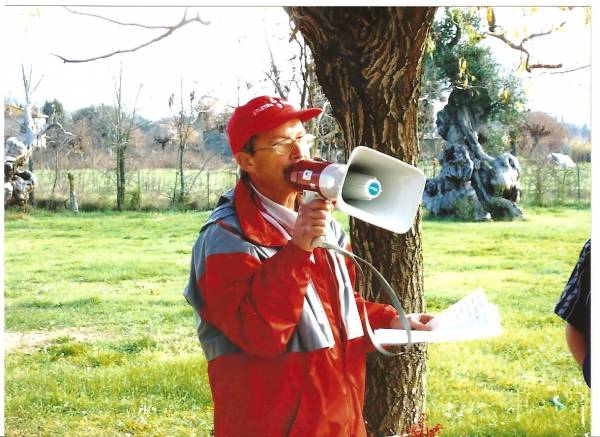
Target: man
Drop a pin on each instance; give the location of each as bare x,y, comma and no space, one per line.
279,322
574,306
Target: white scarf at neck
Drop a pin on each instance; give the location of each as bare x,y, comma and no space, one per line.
284,219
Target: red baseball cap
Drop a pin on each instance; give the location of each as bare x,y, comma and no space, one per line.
260,115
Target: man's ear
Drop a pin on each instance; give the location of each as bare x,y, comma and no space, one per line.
246,162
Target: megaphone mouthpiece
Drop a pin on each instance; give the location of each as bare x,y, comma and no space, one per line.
322,177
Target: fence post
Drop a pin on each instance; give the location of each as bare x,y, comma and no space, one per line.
72,195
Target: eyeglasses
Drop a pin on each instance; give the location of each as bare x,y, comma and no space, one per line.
284,147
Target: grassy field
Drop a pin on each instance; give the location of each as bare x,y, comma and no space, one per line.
101,342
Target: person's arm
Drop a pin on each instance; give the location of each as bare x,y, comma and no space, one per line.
576,343
380,315
257,304
574,305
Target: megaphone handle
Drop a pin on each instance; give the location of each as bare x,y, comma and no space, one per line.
308,197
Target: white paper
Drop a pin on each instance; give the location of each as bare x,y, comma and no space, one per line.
471,318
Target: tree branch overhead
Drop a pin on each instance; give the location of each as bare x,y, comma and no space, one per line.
168,31
501,35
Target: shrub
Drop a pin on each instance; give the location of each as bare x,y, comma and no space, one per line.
136,346
66,350
52,204
464,209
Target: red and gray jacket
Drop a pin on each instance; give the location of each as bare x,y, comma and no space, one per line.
280,328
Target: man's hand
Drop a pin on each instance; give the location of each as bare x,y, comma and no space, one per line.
416,321
311,222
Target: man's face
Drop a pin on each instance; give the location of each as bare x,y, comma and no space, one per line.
267,169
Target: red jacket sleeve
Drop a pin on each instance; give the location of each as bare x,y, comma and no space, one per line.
255,304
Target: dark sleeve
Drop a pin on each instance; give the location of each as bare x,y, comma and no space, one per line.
574,303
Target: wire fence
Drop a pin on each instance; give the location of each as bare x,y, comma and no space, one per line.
155,188
544,184
145,189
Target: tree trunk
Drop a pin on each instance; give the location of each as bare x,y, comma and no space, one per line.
180,167
472,185
174,196
122,171
18,182
55,174
119,199
369,63
120,177
31,194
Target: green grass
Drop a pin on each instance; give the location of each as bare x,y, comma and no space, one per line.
505,386
119,354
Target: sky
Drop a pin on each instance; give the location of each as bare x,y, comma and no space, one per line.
566,96
219,59
216,60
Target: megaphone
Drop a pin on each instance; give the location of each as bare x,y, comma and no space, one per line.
371,186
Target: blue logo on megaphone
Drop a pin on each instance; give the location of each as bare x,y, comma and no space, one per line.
374,188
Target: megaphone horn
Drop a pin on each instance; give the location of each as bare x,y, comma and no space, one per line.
372,186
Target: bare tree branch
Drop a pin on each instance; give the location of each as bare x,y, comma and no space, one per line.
204,165
273,74
114,21
69,137
569,70
132,121
38,83
521,46
54,125
26,83
304,72
169,30
548,32
533,66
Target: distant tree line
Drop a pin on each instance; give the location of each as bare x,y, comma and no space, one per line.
91,125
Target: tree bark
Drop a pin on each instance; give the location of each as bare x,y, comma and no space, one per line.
31,199
369,63
120,177
180,167
55,174
472,185
18,182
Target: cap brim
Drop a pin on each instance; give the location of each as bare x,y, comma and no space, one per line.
302,115
307,114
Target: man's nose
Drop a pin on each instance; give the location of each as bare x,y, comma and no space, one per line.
298,151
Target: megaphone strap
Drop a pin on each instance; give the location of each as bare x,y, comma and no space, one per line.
388,289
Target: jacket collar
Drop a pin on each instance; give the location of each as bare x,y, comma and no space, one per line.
254,226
